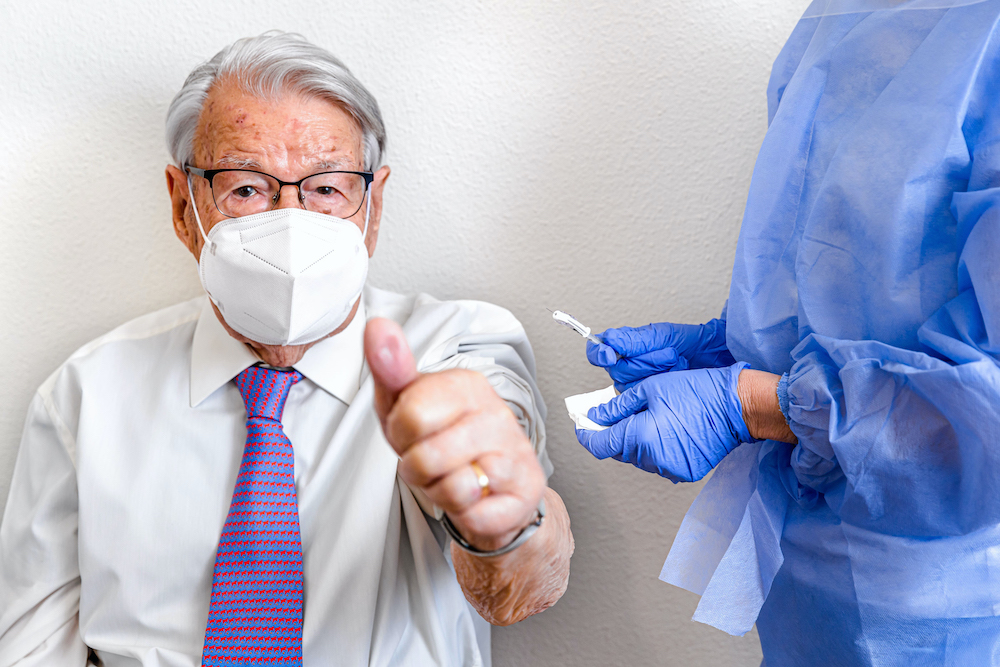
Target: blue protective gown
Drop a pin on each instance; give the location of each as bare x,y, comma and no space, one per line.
868,269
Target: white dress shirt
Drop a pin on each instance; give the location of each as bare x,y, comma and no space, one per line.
126,471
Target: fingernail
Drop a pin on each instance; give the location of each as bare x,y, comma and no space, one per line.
387,353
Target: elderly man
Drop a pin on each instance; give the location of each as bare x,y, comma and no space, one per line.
226,481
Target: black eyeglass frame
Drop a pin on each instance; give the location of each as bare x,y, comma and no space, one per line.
209,175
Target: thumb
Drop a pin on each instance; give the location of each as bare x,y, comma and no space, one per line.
391,362
602,356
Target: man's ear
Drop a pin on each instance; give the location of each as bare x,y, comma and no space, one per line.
184,227
377,188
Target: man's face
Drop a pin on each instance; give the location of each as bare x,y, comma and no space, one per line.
290,138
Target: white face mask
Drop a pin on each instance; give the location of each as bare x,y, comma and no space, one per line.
286,276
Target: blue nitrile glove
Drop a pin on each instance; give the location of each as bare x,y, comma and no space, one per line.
658,348
678,425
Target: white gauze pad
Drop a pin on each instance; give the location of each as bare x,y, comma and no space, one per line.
578,405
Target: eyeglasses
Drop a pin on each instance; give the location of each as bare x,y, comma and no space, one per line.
240,192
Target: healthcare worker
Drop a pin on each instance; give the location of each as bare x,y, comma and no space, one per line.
864,311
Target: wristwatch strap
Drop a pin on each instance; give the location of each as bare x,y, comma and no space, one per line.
521,538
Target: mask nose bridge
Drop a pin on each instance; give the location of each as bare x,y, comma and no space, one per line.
302,206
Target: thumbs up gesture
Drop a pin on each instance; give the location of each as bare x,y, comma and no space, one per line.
457,441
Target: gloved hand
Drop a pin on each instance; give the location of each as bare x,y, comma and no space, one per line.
658,348
678,425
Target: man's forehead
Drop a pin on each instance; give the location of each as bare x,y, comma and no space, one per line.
237,160
238,129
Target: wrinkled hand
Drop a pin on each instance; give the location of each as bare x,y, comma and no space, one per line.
659,348
678,425
439,423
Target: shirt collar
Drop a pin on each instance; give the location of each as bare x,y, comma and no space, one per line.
334,364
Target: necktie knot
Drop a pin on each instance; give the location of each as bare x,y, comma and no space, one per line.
265,390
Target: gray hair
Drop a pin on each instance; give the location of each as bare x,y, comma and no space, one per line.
267,66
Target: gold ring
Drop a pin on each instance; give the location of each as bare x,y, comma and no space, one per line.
484,481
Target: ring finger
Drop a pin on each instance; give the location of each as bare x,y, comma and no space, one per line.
462,488
451,450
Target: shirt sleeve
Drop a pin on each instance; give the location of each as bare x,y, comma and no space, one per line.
39,571
512,382
906,441
521,404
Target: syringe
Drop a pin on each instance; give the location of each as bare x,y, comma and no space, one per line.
568,320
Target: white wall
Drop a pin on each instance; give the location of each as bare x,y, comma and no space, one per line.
591,156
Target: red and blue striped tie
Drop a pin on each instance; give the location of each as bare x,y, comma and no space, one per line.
255,615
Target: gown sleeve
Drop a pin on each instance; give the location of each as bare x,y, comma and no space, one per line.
787,63
904,441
